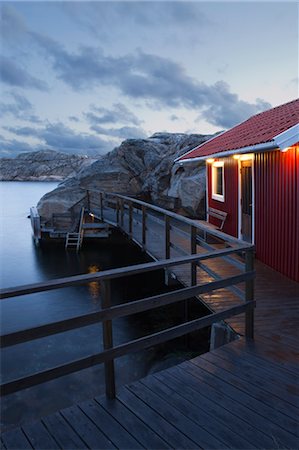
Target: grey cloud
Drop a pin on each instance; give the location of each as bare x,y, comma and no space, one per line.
11,148
157,81
19,107
74,119
229,110
105,19
59,137
174,117
121,133
14,75
151,78
118,114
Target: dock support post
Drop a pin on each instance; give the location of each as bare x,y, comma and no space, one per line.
101,206
167,246
249,295
122,213
193,252
88,200
117,212
144,226
108,341
167,236
130,219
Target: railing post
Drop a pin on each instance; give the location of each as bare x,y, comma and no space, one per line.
121,213
143,226
130,219
108,341
193,252
88,199
167,236
249,295
101,206
117,212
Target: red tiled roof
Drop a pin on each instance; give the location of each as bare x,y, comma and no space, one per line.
259,129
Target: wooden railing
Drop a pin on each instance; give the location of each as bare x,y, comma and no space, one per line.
136,218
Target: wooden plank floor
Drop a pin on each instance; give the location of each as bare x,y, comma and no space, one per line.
243,395
236,397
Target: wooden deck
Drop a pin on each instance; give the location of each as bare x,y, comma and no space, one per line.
238,396
243,395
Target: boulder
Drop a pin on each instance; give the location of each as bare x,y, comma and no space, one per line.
142,168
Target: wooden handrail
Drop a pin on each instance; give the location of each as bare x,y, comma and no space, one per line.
122,349
113,273
115,312
186,220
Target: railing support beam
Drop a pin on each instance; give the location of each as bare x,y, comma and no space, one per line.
249,295
101,207
130,218
144,226
108,341
193,252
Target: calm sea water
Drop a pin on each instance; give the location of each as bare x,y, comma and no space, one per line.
22,262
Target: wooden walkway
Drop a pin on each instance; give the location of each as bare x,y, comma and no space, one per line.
236,397
243,395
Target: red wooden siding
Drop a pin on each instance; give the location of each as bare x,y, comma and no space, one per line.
230,204
277,210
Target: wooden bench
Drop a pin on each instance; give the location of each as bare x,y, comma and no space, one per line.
221,215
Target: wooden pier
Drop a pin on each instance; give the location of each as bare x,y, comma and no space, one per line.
242,395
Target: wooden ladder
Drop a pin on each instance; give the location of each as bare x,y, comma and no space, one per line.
74,240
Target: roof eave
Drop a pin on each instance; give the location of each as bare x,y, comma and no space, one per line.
287,138
265,146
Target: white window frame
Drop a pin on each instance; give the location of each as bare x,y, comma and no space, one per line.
215,196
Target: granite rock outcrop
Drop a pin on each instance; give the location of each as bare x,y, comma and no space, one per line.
44,165
143,168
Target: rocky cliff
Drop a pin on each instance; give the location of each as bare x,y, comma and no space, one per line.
143,168
45,165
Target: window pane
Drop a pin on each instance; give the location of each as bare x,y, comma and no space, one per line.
219,186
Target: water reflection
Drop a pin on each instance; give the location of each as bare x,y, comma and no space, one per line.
94,286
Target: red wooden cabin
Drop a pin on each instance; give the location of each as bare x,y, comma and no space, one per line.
253,176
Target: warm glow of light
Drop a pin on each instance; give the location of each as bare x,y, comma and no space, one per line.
285,149
236,156
92,215
210,160
246,157
94,286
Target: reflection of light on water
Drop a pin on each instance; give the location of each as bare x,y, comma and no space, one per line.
94,287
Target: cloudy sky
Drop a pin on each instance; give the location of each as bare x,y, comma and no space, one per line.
83,76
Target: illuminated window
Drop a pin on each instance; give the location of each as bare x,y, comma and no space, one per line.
218,181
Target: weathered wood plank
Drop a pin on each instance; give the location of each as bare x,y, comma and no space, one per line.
211,402
202,416
136,427
15,440
39,437
65,436
256,376
179,420
86,429
159,424
275,404
113,429
252,410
